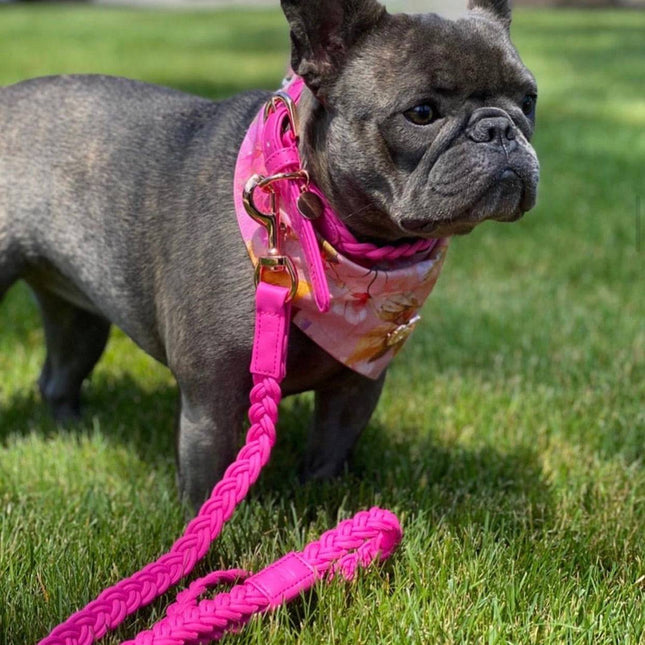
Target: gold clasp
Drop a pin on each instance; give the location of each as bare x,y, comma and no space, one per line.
273,268
268,220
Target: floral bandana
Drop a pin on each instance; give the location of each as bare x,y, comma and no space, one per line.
373,309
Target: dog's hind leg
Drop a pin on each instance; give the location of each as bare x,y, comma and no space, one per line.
75,341
342,411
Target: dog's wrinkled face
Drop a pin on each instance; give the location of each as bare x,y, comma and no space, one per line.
421,125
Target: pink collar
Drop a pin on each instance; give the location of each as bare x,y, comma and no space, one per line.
358,301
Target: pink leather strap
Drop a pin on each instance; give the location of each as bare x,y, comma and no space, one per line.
284,580
311,247
272,316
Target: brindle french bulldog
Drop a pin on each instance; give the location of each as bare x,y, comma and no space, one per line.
116,204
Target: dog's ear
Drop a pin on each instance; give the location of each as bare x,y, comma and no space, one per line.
500,9
322,33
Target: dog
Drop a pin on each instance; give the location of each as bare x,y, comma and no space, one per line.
116,204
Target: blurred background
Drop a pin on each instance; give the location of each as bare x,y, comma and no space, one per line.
445,7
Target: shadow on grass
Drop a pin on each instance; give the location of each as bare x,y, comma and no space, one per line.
419,475
474,491
124,412
416,474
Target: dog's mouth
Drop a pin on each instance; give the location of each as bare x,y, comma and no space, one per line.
507,198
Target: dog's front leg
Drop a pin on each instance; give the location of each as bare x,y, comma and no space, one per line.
208,436
213,407
342,409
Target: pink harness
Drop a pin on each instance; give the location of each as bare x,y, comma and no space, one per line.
312,277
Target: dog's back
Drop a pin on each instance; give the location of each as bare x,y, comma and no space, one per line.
96,176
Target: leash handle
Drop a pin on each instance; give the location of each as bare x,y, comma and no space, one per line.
368,536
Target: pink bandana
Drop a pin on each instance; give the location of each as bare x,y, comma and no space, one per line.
373,309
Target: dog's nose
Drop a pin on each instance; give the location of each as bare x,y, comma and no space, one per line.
490,125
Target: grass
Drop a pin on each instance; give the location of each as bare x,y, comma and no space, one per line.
510,435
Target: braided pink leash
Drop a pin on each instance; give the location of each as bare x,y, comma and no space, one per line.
353,543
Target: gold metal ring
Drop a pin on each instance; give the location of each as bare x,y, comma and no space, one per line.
265,182
292,111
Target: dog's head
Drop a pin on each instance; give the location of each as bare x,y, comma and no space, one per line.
416,126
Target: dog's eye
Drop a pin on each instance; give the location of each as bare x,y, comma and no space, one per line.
528,104
422,114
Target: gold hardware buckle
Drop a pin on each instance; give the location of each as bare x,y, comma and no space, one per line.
273,268
401,333
277,270
268,220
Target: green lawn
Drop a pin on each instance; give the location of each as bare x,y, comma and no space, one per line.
510,436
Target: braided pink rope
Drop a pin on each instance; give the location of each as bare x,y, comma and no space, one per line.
364,251
116,603
335,230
